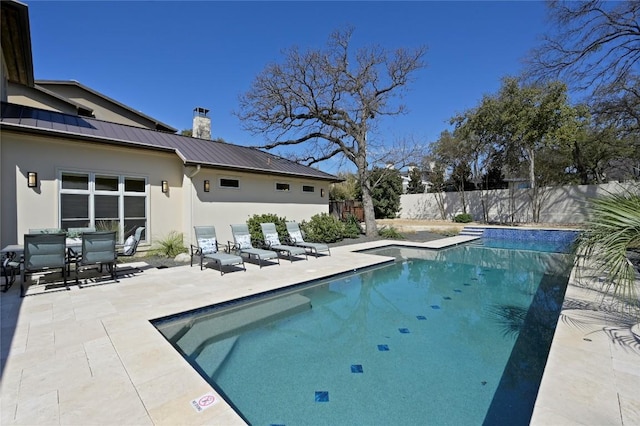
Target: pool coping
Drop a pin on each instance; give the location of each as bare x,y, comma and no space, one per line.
69,349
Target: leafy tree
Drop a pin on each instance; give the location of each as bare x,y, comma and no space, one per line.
453,154
594,45
328,101
345,190
523,129
415,185
437,186
187,132
387,184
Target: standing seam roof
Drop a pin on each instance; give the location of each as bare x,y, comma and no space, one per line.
191,150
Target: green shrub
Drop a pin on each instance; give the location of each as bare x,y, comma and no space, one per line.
352,228
256,231
323,228
390,233
170,246
463,218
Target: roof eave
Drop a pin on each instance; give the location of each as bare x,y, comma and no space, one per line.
262,171
17,24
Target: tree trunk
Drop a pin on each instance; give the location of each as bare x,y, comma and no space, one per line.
369,213
365,187
439,196
532,173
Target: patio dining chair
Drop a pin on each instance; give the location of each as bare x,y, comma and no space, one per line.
207,249
272,240
77,232
98,250
43,252
243,245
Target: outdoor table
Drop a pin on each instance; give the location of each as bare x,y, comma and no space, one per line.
11,258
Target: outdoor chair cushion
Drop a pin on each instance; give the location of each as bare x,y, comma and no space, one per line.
296,236
129,246
244,241
208,245
272,239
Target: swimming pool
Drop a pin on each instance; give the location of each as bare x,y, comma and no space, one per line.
456,336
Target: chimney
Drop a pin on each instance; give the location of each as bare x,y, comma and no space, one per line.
201,124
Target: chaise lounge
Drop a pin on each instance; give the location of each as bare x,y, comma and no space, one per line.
242,243
295,235
207,248
271,238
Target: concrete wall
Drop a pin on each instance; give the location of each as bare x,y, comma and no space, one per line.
566,204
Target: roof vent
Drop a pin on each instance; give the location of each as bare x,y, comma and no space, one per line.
201,123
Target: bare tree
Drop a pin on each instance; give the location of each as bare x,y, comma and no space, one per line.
596,43
327,102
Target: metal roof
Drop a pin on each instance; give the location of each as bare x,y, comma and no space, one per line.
192,151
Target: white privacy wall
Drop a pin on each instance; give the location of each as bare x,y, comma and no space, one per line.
565,204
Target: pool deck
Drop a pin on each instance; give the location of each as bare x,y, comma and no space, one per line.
90,355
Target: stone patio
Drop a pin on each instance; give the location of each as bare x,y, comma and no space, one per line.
90,355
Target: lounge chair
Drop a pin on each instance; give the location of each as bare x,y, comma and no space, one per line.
295,236
131,243
242,243
43,252
207,248
98,250
273,242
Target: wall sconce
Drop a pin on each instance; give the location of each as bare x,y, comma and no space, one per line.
165,186
207,186
32,179
322,192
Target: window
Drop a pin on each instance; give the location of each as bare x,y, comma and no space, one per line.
308,188
103,201
229,183
282,186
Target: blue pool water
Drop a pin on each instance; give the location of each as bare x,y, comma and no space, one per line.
450,337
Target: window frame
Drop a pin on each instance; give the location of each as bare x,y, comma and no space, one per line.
91,192
287,184
229,178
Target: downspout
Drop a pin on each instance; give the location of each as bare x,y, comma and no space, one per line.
190,176
195,172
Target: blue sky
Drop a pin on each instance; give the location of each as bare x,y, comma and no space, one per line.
164,58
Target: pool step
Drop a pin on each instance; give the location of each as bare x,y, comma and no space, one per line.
475,231
192,337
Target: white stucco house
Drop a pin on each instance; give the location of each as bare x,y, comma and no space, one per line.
73,157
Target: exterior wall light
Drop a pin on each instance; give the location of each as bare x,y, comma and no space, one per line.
165,186
32,179
207,186
322,192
